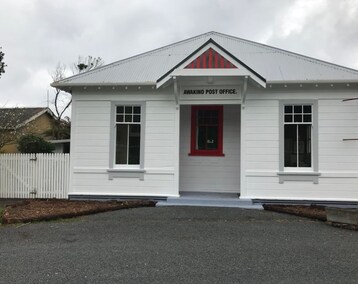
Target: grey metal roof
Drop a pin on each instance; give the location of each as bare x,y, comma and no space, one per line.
274,64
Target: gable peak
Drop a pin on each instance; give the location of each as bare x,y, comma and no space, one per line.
210,59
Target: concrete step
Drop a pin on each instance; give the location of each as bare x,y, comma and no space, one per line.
206,202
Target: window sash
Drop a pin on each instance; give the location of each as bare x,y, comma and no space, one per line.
127,135
298,148
297,135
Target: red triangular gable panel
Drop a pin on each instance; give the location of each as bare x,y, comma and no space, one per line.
210,59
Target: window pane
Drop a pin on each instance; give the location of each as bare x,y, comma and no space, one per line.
212,138
201,139
304,145
298,118
290,145
128,110
201,113
214,118
288,109
134,144
298,109
121,143
128,118
288,118
307,118
136,118
202,120
136,110
120,109
119,118
307,109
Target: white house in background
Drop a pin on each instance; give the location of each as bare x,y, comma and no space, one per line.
215,113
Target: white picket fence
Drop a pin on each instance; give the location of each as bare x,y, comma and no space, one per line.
34,175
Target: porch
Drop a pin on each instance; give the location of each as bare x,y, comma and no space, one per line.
216,169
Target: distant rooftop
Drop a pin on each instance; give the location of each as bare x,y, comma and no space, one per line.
12,118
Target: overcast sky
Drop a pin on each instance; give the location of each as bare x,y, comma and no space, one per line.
37,34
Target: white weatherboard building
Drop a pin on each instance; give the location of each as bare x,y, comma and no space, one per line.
215,113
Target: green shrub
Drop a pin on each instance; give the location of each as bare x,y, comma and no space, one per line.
34,144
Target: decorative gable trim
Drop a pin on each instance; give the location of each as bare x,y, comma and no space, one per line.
181,66
210,59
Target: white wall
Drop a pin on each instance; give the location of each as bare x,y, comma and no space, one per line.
211,174
338,160
90,145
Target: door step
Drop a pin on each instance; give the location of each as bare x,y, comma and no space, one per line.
210,200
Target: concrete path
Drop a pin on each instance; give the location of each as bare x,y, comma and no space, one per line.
179,245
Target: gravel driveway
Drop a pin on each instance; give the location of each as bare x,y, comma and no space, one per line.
179,245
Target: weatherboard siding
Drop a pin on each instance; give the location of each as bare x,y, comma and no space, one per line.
211,174
338,159
90,148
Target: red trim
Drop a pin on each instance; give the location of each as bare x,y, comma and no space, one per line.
222,62
197,62
216,55
194,114
210,59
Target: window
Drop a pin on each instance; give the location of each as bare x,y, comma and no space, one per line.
298,136
298,141
128,135
206,131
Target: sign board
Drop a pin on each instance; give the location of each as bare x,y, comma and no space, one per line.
210,91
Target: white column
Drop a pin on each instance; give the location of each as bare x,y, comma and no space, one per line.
243,192
177,149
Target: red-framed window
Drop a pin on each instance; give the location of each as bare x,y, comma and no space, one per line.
206,131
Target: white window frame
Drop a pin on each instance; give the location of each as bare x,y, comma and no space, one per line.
125,170
299,173
298,168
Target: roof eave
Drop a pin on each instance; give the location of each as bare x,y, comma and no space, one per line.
100,84
328,81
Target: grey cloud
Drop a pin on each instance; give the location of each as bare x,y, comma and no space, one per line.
36,35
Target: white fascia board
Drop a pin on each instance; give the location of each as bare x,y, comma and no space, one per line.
328,81
109,84
240,71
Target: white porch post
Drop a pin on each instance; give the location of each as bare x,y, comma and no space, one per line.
177,136
243,192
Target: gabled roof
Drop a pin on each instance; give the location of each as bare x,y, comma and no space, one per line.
13,118
274,64
181,68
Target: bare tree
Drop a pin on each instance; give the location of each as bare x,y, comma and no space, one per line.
61,103
2,63
63,100
87,63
